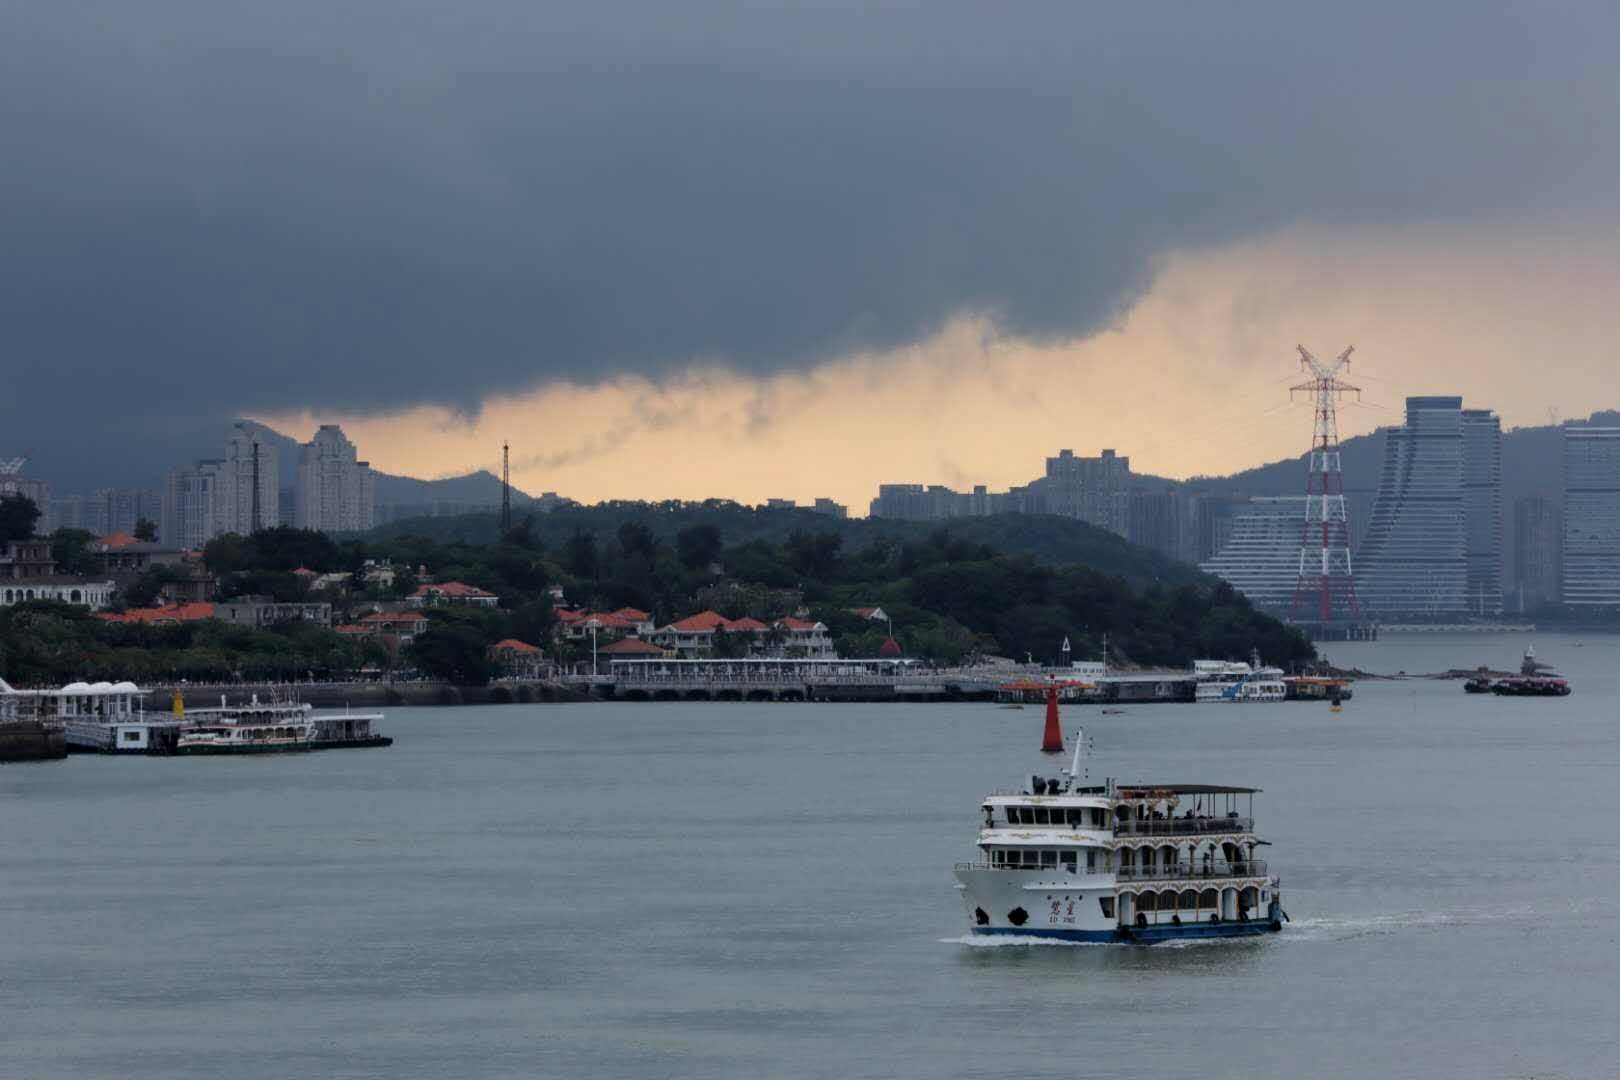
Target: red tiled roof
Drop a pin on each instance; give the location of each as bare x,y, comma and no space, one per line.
631,647
863,612
745,623
608,620
394,616
304,571
633,614
890,647
569,615
191,612
451,588
702,621
512,644
788,622
117,540
352,629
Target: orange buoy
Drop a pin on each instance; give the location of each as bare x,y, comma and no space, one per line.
1052,741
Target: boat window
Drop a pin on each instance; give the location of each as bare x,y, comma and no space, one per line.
1032,858
1048,858
995,856
1074,815
1091,858
1040,816
1107,903
1069,860
1026,815
132,736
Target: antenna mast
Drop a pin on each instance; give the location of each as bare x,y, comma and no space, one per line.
506,489
1324,551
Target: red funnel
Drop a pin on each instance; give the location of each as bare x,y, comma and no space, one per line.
1052,741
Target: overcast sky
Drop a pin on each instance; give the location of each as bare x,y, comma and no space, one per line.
674,221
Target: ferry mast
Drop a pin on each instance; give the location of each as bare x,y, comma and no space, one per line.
1325,572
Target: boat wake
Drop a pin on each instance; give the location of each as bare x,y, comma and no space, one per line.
1350,927
1018,941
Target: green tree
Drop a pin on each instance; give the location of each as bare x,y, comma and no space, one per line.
580,556
72,553
698,546
18,515
146,530
455,652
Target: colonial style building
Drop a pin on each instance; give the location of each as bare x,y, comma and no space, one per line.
28,573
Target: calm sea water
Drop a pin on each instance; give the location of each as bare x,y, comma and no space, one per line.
765,891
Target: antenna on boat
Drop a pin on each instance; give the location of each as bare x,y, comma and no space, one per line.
1074,772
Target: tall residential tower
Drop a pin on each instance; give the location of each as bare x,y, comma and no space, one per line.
336,491
1591,516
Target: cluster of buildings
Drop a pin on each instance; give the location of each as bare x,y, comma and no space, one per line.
820,506
241,492
629,633
1432,545
332,490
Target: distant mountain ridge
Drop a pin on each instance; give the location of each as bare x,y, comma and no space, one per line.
481,486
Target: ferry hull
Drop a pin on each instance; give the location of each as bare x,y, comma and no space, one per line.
245,748
1151,935
352,744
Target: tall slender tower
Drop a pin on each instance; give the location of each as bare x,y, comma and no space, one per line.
506,490
1324,550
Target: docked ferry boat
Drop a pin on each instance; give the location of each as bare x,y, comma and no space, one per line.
1220,680
111,718
1124,863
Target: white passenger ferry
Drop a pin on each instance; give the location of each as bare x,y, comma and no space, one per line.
1128,863
1222,680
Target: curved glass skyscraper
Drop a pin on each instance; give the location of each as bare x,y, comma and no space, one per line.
1261,557
1414,557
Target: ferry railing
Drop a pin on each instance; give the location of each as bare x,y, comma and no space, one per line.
1182,871
1184,826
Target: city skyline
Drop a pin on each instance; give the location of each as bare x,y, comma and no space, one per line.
857,243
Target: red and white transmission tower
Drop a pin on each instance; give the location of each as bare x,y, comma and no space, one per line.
1324,551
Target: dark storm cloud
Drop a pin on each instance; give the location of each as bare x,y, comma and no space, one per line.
212,207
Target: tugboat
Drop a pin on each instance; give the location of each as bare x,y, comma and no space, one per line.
1535,679
1119,863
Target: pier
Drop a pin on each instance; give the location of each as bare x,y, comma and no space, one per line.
887,680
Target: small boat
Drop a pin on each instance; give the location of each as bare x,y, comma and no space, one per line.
1113,712
1479,684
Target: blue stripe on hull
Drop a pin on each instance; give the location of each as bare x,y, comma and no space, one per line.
1145,936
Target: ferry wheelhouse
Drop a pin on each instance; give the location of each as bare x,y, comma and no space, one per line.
1126,863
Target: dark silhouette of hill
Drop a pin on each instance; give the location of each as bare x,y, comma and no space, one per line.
1050,540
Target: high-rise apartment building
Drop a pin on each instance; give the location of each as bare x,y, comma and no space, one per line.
1260,556
1094,490
1414,559
247,495
237,493
1482,509
1591,516
336,491
1158,519
190,505
1538,552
